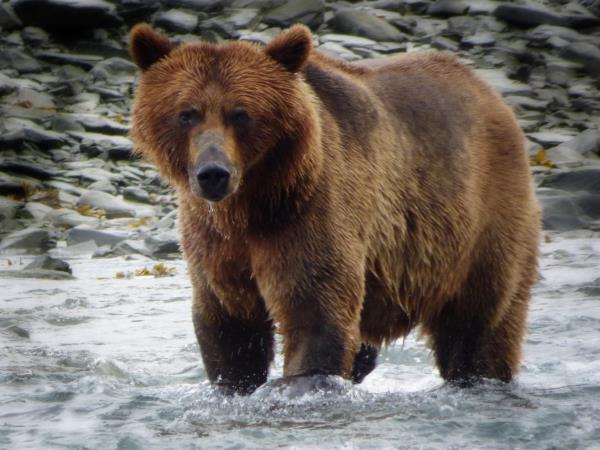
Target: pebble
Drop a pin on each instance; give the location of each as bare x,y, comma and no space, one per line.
363,24
49,263
32,240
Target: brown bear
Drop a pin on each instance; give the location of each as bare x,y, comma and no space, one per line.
341,204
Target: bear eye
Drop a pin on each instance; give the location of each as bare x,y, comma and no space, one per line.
238,118
188,118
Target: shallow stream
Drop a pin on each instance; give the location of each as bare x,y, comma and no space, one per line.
112,363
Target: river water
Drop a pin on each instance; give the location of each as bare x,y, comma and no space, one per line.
112,363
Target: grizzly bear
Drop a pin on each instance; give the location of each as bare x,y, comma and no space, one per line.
341,205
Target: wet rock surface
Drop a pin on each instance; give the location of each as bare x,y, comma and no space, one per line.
70,182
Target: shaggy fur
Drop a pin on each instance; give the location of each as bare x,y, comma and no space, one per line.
366,199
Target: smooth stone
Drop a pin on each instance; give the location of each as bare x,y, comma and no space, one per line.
36,210
443,43
11,58
175,20
114,70
67,15
163,244
85,233
61,186
49,263
8,18
43,139
504,85
29,98
478,40
526,103
533,14
136,194
308,12
11,187
586,54
198,5
113,206
7,85
585,179
8,209
347,40
338,51
86,248
549,138
560,213
447,8
124,248
16,330
68,218
30,240
63,123
366,25
133,11
36,273
103,186
24,168
34,36
78,60
586,144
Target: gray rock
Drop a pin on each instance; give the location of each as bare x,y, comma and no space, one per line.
11,58
68,218
560,214
115,69
34,36
504,85
366,25
103,186
33,135
85,233
586,144
24,168
163,244
78,60
338,51
198,5
17,331
113,206
8,18
447,8
478,40
30,240
35,210
67,15
124,248
7,85
49,263
30,98
532,14
12,187
586,179
586,54
549,138
308,12
133,11
136,194
175,20
41,274
8,209
117,147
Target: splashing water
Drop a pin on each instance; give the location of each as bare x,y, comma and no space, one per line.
113,363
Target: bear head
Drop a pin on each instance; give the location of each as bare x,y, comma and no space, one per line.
207,115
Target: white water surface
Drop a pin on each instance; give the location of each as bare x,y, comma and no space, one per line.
113,364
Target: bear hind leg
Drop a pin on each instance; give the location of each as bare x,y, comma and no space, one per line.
469,346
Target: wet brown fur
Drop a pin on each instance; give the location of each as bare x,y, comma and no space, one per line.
373,198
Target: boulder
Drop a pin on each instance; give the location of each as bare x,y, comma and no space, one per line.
49,263
361,23
30,241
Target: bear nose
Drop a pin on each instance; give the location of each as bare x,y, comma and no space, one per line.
214,180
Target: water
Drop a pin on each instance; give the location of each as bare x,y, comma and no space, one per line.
113,364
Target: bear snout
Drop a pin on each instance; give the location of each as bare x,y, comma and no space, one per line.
214,181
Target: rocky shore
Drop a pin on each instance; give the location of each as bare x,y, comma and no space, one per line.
70,184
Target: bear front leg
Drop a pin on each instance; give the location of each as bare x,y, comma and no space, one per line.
236,351
316,300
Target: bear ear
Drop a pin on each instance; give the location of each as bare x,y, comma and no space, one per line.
291,49
146,46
